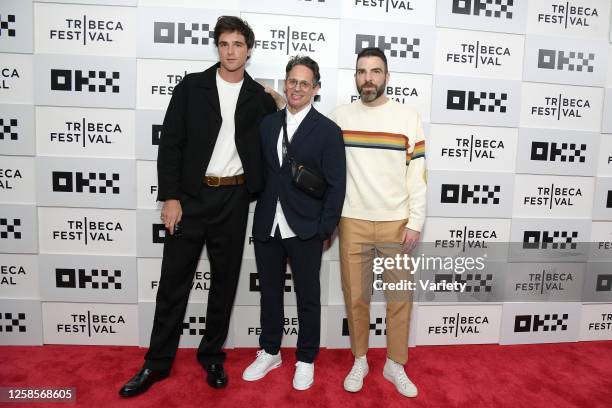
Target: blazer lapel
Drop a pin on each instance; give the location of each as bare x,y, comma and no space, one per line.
208,84
272,140
307,125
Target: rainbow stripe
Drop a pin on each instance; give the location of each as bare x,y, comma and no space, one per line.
419,150
383,140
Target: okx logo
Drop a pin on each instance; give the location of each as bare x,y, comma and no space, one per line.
12,322
487,8
254,282
379,327
156,131
474,282
7,23
464,194
8,129
468,100
167,32
394,47
552,239
565,61
83,279
603,283
535,323
79,182
10,228
563,152
84,81
194,325
609,199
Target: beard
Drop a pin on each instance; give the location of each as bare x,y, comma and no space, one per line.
371,93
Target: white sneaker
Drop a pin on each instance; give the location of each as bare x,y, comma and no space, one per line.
354,380
395,373
304,375
263,364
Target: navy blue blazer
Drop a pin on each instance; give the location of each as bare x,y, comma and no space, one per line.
318,144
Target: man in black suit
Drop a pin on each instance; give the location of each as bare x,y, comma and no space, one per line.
291,224
208,167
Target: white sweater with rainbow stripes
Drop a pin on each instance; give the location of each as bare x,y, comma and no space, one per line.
385,162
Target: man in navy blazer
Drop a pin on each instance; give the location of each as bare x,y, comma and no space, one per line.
291,225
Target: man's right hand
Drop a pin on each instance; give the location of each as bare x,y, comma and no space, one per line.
171,214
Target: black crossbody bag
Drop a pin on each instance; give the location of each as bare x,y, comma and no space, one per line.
303,177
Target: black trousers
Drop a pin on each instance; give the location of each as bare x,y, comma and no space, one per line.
217,218
305,260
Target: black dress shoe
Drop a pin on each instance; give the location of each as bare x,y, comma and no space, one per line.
142,381
216,377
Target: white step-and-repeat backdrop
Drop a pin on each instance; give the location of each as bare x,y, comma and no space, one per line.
517,102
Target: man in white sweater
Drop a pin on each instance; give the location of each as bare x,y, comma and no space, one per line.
384,208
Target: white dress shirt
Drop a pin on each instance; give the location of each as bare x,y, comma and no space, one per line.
293,122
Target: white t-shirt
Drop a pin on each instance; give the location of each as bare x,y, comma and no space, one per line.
225,161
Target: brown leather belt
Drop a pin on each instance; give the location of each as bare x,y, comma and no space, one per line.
214,181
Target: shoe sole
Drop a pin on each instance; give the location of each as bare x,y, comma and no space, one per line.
390,379
272,367
303,388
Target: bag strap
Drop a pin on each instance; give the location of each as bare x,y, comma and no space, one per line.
286,151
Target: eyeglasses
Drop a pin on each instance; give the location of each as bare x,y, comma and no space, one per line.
293,83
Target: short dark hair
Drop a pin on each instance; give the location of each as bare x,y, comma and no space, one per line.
230,24
308,63
372,52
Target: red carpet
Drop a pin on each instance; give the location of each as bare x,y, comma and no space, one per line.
548,375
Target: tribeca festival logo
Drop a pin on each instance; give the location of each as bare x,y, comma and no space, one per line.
6,76
378,327
85,182
7,25
483,194
533,239
168,32
9,274
84,81
479,54
567,15
194,325
290,327
254,282
88,231
393,46
7,177
535,323
166,86
545,282
8,129
12,322
85,133
558,152
549,197
91,323
487,8
73,278
466,238
603,283
467,100
201,281
291,41
459,324
86,30
604,324
558,107
566,60
473,148
9,228
385,4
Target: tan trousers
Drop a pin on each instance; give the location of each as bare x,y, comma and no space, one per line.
360,242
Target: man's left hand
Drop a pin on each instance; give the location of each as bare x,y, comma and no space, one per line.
409,239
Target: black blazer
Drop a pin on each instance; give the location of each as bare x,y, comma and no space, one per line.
190,130
317,143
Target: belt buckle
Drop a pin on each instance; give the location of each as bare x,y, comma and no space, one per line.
209,178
